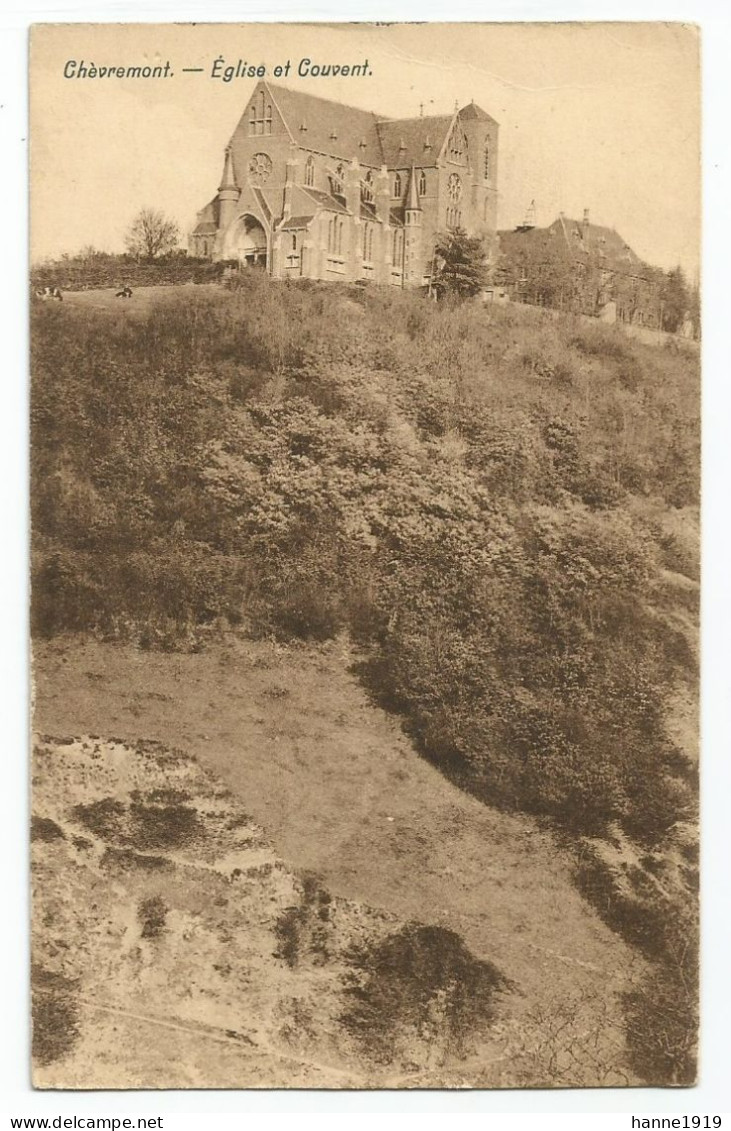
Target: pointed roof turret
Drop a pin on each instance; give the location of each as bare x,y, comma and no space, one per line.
228,177
413,204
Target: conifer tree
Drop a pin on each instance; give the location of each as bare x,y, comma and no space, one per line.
461,270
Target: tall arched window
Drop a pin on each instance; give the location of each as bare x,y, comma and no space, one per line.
336,181
368,242
454,192
310,172
335,236
422,183
397,185
486,169
294,241
260,120
457,143
398,247
366,188
454,218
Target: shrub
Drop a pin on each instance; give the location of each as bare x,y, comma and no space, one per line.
419,984
152,914
55,1015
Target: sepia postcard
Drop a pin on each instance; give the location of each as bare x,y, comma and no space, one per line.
365,461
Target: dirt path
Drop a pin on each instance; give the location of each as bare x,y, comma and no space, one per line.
342,792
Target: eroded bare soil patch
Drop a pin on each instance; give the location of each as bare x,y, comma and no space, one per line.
417,939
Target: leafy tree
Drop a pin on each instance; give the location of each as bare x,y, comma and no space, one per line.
151,234
542,271
676,299
460,265
89,252
694,306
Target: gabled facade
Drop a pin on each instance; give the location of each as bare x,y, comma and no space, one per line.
311,188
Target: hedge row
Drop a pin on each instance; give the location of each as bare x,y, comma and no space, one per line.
120,270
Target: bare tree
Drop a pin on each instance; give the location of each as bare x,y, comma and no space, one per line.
151,234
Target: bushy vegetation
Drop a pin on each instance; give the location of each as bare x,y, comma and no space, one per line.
93,269
660,918
419,984
476,496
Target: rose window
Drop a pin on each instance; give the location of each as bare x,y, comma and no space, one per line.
260,167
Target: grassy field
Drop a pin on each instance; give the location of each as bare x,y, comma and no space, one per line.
143,299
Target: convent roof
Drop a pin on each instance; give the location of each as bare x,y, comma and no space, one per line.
595,238
584,240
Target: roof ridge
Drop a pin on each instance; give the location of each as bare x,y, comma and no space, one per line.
417,118
318,98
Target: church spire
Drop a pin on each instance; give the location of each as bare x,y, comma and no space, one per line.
228,178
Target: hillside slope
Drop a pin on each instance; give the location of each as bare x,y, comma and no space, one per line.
498,509
293,743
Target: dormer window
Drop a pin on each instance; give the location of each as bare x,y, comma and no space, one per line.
309,172
422,183
397,185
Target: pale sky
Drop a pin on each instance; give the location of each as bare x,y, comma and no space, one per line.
597,116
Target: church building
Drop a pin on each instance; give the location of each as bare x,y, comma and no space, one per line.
314,189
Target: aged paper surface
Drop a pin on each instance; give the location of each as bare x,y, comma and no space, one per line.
365,473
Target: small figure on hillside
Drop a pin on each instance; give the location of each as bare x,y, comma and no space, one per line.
49,292
126,292
687,329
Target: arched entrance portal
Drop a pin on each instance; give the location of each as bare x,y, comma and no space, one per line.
247,242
